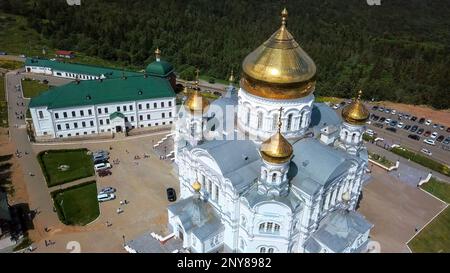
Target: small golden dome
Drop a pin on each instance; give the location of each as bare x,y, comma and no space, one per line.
279,68
157,53
196,102
231,79
356,113
277,149
197,186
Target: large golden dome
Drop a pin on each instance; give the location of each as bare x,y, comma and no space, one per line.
276,149
356,113
279,68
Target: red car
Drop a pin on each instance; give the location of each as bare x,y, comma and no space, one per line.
427,134
102,173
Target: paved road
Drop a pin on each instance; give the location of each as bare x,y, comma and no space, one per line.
39,197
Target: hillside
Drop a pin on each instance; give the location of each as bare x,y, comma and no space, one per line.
398,51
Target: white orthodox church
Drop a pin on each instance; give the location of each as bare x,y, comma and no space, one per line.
281,173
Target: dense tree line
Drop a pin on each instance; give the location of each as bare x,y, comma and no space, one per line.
398,51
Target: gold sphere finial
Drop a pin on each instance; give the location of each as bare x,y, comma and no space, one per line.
284,15
197,71
197,186
231,79
360,92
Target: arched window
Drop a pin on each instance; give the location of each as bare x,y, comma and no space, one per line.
260,120
274,177
270,250
289,122
269,227
276,228
301,120
247,120
262,250
275,122
193,129
262,227
353,137
264,174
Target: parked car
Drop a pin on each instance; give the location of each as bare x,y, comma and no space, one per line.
106,197
370,132
100,158
415,137
102,166
381,109
374,107
427,134
447,140
442,127
171,195
413,118
426,151
387,121
407,127
448,130
3,53
392,129
440,138
379,125
382,119
400,125
422,120
434,135
428,122
420,131
435,125
376,118
100,152
103,173
393,123
429,141
107,190
414,128
393,112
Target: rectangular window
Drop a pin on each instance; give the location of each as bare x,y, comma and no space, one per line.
217,194
106,110
126,119
147,105
92,123
124,108
73,114
131,107
56,115
155,105
148,116
170,103
67,126
162,104
140,106
107,121
99,110
163,115
170,114
58,127
84,133
75,125
118,108
82,113
65,114
90,112
101,122
132,118
141,117
41,114
83,124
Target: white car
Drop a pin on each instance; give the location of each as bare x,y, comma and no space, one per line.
429,141
393,112
400,125
434,135
102,166
425,151
387,121
428,122
336,106
370,132
105,197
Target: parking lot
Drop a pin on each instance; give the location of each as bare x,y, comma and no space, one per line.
410,131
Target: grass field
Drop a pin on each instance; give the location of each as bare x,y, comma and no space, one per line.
422,160
77,205
32,88
438,188
327,99
80,165
3,104
10,65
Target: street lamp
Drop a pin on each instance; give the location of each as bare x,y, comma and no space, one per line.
123,237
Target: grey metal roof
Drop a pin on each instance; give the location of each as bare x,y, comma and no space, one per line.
323,115
145,243
253,198
211,227
340,229
312,246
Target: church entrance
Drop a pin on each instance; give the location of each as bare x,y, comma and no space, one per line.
118,129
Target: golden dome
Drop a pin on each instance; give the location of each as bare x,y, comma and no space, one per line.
196,102
231,79
276,149
279,68
356,113
197,186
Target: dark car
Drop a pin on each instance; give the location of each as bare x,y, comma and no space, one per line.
420,131
414,128
413,118
415,137
103,173
427,134
45,81
422,120
392,129
407,127
379,125
393,123
382,119
100,160
374,107
440,138
171,195
447,140
448,130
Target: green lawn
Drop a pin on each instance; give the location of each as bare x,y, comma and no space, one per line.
435,237
10,65
77,205
381,159
422,160
3,104
80,165
33,88
327,99
438,188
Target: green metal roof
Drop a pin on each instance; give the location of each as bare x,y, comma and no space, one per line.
106,91
80,68
116,115
159,68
